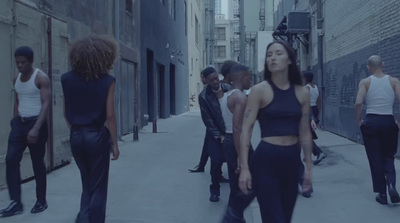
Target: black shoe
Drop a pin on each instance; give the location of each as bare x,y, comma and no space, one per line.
197,169
307,194
381,198
214,198
223,180
12,209
39,207
394,195
320,157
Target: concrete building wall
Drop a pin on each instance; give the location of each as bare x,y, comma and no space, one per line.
49,26
195,49
164,59
352,31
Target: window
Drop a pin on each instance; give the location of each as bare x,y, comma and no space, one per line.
221,51
197,31
185,17
221,33
129,7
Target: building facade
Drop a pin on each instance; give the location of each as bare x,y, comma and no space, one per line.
196,49
164,69
342,36
48,26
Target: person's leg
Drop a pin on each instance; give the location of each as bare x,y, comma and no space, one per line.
237,200
16,146
216,156
203,158
37,152
98,152
390,140
373,148
81,160
266,183
288,172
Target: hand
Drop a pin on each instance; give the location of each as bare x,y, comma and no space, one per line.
115,152
307,181
221,139
313,125
32,136
245,180
360,123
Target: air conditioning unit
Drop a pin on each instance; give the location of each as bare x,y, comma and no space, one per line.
298,22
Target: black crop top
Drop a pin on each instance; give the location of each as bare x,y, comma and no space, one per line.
281,117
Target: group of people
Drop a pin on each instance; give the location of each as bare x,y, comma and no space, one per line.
287,112
286,105
88,91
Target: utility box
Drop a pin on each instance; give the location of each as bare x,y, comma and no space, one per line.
298,22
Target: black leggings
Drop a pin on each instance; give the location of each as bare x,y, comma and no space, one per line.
275,171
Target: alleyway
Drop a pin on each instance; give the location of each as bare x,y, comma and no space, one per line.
150,183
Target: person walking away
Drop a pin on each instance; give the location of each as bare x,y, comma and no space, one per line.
89,102
379,129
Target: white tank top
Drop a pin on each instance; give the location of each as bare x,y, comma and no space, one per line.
314,94
380,96
28,93
226,113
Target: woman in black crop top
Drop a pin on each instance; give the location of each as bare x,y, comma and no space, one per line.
282,107
88,103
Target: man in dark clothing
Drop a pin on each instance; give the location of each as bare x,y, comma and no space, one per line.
212,119
226,67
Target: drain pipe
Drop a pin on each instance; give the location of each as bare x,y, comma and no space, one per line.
321,58
117,70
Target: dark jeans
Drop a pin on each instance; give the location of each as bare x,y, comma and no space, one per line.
238,201
275,171
380,135
204,153
90,147
17,143
217,158
316,150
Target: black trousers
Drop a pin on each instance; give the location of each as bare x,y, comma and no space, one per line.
316,150
17,143
275,171
217,158
90,147
204,153
238,201
380,135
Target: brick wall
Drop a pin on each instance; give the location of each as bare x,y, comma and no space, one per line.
353,31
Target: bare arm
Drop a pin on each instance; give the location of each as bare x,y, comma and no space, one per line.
16,103
112,121
43,83
240,101
250,115
397,93
362,91
65,116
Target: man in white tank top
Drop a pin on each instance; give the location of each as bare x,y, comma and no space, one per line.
28,129
232,105
379,129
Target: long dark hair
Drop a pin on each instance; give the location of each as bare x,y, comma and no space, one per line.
294,71
93,56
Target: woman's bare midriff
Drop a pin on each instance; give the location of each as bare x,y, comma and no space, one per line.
281,140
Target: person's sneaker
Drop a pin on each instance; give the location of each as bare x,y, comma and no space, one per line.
320,157
214,198
394,195
197,169
13,208
39,207
381,198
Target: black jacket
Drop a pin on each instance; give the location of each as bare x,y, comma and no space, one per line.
211,111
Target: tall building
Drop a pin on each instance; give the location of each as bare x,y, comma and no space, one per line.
218,6
196,48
